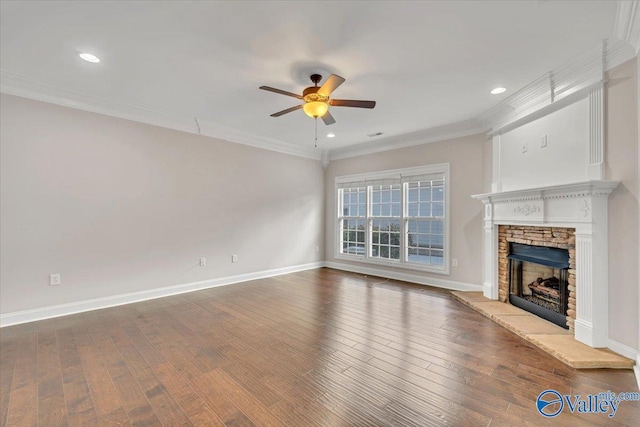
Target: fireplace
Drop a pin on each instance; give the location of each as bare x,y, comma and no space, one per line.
566,216
536,271
539,281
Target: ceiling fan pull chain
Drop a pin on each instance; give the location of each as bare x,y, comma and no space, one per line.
316,144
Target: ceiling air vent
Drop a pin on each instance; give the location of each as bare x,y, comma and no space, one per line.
373,135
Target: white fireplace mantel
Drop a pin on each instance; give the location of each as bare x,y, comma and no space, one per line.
582,206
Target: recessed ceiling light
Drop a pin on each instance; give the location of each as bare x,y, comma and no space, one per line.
331,135
89,57
498,91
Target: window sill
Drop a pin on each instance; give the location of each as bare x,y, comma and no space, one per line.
393,264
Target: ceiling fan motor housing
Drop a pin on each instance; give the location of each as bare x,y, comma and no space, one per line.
311,94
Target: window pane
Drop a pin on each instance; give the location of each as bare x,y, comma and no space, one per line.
413,209
394,238
438,194
438,209
384,251
425,194
422,240
425,209
353,236
437,258
395,252
386,238
386,200
413,195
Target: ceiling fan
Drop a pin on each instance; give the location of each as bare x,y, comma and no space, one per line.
316,99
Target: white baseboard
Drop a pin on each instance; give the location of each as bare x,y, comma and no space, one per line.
631,353
622,349
406,277
15,318
636,370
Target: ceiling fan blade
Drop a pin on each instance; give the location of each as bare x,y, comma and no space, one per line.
288,110
280,91
328,119
352,103
330,85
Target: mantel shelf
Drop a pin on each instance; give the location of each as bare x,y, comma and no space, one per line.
578,189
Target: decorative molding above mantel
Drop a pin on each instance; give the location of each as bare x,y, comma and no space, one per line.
582,206
562,191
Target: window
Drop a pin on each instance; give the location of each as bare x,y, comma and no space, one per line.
395,217
354,212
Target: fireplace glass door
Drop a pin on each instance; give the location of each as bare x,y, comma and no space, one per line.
538,281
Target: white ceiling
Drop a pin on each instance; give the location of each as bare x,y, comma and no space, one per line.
427,64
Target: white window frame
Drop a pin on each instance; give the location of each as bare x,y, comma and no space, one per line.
394,174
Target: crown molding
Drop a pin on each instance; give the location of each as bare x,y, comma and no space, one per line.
40,90
627,27
440,133
558,86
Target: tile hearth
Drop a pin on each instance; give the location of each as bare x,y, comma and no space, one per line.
551,338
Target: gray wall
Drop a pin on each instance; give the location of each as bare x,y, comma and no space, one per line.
116,206
621,158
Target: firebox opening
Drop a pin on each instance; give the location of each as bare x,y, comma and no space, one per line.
538,281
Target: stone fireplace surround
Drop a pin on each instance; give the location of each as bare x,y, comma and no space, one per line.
557,237
580,206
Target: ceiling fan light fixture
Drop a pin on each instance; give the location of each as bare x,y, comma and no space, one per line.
315,109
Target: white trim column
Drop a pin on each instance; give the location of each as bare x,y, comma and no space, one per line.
490,255
595,168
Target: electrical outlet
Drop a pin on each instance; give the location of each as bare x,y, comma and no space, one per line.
317,248
543,141
54,279
454,262
234,258
203,262
524,147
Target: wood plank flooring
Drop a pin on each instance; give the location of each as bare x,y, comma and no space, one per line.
315,348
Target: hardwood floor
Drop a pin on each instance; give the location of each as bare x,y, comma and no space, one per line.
316,348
